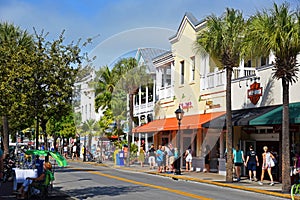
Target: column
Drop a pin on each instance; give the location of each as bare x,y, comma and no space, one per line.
146,142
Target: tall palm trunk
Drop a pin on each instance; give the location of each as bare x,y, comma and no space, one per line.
286,181
5,135
130,126
229,168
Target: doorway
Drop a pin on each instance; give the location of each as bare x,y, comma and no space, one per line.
259,150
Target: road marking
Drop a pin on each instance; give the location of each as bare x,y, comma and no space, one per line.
152,186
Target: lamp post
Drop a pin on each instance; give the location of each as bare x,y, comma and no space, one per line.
179,115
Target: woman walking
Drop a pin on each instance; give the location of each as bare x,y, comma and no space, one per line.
268,163
239,160
142,156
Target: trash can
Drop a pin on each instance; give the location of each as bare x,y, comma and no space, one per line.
121,158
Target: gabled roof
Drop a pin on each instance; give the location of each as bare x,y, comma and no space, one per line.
187,18
148,54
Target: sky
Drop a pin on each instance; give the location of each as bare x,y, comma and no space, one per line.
117,26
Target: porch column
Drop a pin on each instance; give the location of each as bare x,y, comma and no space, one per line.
146,142
139,142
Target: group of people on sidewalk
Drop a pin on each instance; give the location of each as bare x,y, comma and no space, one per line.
163,157
252,162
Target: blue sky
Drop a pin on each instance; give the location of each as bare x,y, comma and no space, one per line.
117,26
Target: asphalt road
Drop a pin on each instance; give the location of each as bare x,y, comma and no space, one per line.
82,181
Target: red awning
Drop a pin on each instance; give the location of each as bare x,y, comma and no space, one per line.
188,122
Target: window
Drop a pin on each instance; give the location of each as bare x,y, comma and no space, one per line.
166,76
193,68
182,72
264,61
247,63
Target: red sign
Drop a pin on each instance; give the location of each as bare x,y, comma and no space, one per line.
255,92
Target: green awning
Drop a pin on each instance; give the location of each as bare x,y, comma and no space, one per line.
275,116
239,117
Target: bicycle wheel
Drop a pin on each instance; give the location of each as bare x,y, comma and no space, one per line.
295,193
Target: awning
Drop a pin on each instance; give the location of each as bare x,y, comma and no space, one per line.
188,122
239,117
275,116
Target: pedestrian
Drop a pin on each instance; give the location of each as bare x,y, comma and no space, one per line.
151,154
188,160
159,158
239,160
252,162
142,156
170,158
267,164
66,151
74,151
165,154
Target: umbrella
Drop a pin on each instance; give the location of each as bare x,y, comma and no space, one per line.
61,161
37,152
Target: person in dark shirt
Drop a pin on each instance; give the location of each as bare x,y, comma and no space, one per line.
39,165
151,154
251,163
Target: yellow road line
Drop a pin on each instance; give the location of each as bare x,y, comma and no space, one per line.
151,186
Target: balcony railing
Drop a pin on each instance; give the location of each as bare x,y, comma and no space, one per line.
218,78
165,92
143,108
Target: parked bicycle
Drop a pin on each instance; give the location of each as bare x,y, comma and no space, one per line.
295,189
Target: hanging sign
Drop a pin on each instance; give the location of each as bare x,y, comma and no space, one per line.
255,92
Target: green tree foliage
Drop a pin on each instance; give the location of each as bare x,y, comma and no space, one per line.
16,47
223,39
37,78
277,31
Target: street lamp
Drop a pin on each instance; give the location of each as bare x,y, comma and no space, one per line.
179,115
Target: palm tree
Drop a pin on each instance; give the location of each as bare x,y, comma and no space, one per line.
105,85
277,31
15,45
222,40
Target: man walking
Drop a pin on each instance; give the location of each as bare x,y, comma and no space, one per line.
251,163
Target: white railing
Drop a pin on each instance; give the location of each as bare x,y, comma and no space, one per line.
143,108
165,92
243,72
218,77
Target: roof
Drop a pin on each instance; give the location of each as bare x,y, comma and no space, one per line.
193,21
148,54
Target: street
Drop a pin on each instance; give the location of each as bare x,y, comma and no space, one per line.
84,181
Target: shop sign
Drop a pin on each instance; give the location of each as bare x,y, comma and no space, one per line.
186,105
255,92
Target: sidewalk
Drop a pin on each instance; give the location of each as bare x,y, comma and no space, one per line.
209,178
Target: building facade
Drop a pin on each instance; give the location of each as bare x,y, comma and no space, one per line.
189,79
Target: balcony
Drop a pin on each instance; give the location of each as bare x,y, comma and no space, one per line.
165,92
218,77
143,108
